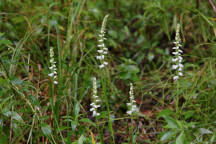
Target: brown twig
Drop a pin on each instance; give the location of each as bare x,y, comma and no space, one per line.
213,6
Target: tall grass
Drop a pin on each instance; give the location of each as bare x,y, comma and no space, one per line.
140,38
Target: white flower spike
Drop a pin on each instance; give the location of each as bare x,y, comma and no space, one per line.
53,68
132,108
102,51
94,105
177,58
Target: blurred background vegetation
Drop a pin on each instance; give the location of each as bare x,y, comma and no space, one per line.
140,35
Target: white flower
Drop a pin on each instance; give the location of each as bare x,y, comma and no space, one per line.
132,108
102,51
177,58
174,66
51,74
100,40
100,57
175,77
174,59
101,66
94,105
53,68
129,112
105,63
175,53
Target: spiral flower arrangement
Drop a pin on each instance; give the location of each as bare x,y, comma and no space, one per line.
177,58
53,68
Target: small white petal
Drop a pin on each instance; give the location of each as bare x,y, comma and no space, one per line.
180,51
105,63
181,65
174,66
175,47
100,40
179,57
55,82
128,104
102,45
92,104
175,77
106,49
129,112
180,74
100,51
133,101
92,109
174,59
94,113
101,66
51,74
175,53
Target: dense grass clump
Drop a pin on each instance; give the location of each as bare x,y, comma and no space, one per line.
124,72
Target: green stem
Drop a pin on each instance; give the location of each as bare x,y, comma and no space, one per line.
108,109
100,132
177,99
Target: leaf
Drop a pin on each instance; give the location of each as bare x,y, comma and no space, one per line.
189,114
81,139
46,129
5,42
172,123
13,115
86,120
204,131
165,112
77,109
168,135
181,139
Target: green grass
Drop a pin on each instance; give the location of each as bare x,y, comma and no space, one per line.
140,37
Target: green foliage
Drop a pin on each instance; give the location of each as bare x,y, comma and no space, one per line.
139,38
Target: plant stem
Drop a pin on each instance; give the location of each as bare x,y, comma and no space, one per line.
108,109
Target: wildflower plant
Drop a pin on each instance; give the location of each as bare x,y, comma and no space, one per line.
103,50
53,68
96,100
132,108
177,58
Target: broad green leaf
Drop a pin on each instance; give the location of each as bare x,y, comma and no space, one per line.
171,123
168,135
46,129
165,112
181,139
